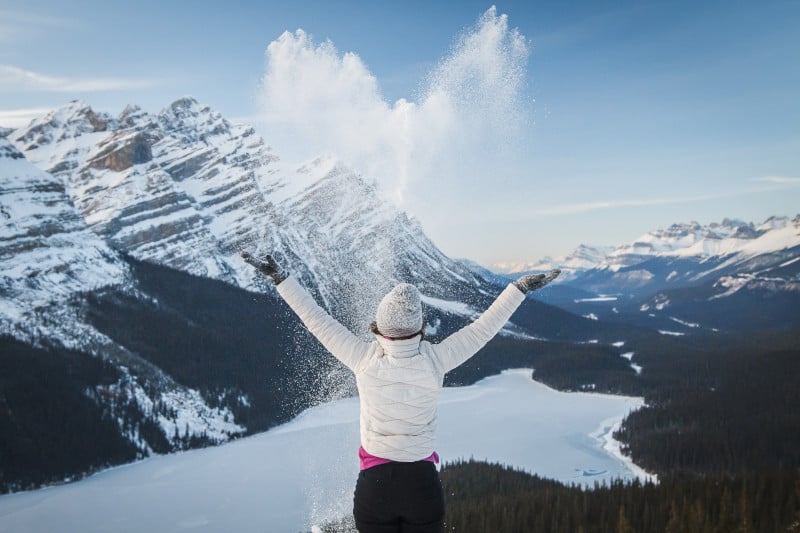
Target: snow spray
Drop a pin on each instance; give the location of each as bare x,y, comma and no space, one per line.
467,114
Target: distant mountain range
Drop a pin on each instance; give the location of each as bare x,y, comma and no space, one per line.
731,275
121,282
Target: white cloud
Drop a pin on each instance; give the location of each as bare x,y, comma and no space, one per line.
16,118
780,180
13,78
585,207
34,19
18,24
316,100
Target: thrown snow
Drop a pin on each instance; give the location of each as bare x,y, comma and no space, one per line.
304,472
449,306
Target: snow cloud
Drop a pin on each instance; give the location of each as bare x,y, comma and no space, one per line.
315,100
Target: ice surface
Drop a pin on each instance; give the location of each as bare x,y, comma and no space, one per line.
304,472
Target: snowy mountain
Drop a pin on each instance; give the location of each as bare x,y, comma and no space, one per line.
187,189
730,239
741,274
49,261
584,257
178,188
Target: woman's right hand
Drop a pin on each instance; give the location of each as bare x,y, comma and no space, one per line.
268,266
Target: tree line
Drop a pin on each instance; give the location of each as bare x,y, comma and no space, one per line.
483,497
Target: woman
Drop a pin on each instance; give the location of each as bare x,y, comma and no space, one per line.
399,376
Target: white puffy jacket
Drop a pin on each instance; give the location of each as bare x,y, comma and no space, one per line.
399,381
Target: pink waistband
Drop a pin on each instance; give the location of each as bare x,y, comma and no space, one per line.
368,460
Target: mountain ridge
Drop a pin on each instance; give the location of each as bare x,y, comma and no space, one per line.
691,239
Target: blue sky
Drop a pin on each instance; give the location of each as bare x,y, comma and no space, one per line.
613,118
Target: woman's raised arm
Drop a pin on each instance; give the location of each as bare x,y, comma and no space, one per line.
464,343
336,338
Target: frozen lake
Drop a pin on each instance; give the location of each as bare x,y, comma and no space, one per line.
304,472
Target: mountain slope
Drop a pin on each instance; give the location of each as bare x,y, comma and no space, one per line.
47,254
50,262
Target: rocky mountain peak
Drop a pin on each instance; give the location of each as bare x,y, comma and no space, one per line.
733,223
190,120
747,232
8,151
70,121
132,116
185,105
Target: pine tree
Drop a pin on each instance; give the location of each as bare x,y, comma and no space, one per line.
745,523
726,520
674,524
623,525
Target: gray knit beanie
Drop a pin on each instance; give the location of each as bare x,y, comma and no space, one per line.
400,312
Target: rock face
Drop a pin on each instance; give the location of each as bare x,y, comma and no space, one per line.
121,154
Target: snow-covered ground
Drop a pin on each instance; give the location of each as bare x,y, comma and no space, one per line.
303,473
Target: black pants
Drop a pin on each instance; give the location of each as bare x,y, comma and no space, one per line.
399,497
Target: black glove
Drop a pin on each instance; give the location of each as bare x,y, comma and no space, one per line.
269,267
533,282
